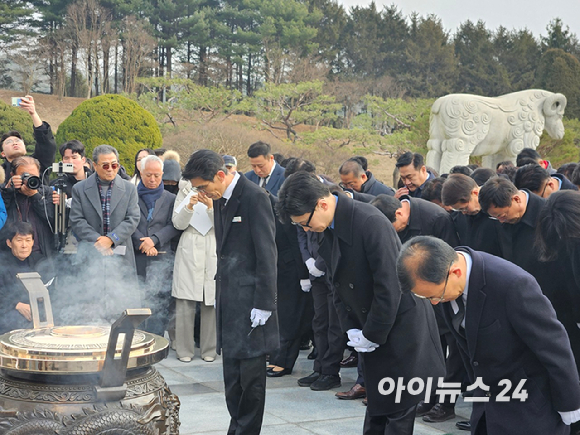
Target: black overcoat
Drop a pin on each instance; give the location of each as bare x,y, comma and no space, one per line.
360,254
292,301
479,231
511,332
428,219
246,271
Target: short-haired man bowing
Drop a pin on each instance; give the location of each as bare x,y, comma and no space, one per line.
247,325
396,333
506,330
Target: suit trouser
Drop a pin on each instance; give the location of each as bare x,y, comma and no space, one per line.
360,378
399,423
245,388
184,324
454,369
328,336
481,428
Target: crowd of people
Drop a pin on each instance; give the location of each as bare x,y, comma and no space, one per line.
472,277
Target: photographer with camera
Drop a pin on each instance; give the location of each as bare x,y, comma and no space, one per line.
13,146
28,200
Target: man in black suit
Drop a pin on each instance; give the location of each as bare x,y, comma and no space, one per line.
353,176
265,172
396,334
539,181
518,211
474,227
414,216
506,329
414,174
247,325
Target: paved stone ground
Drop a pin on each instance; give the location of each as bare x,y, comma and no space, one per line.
290,409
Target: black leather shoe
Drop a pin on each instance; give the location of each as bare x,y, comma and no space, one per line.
308,380
423,408
305,345
463,425
277,374
326,382
350,361
439,413
313,354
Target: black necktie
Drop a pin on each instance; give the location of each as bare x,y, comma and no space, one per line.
458,317
222,205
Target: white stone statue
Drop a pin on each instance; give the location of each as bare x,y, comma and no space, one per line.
495,128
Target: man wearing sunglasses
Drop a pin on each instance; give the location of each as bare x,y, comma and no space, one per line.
12,146
508,335
395,334
104,214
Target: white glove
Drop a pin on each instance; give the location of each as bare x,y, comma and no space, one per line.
570,417
359,341
259,317
352,334
312,269
306,285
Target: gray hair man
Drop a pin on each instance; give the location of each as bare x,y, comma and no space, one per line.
104,214
507,332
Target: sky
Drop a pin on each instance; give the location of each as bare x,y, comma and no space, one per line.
512,14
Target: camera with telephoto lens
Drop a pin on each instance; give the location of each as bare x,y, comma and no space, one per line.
30,181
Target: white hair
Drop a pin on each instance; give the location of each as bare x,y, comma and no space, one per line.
149,159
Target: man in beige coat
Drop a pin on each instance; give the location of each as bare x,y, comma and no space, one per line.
193,278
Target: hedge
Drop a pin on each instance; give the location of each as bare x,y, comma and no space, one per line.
113,120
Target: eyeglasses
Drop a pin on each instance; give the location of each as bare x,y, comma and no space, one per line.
107,166
503,216
544,191
461,209
307,224
349,185
12,141
435,298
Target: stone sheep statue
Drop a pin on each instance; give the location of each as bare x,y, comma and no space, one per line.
495,128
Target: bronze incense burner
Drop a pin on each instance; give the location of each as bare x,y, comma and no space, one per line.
83,380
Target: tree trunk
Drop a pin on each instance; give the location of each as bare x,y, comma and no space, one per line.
97,71
189,69
202,66
249,79
168,55
116,66
89,74
73,71
105,81
240,86
229,73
